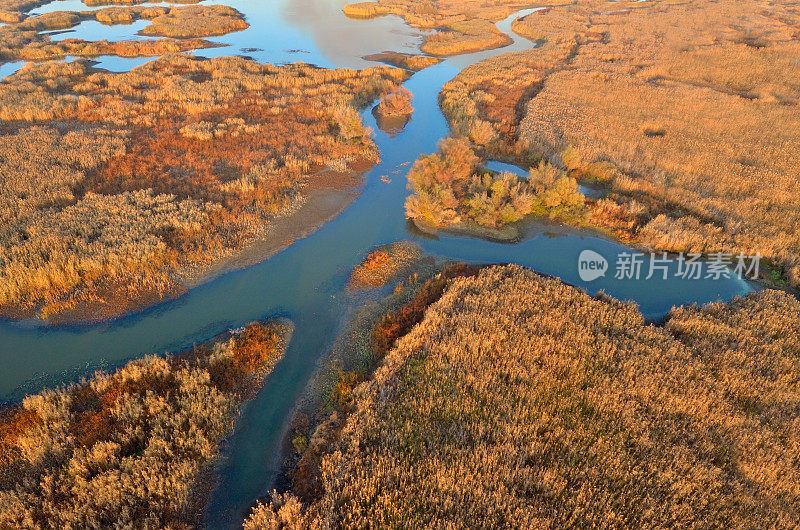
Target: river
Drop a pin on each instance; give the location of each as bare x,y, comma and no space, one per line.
306,281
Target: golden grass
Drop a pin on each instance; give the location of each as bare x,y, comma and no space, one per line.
520,402
395,103
692,108
383,264
24,40
130,448
685,110
465,37
196,21
363,10
415,63
19,6
154,174
462,26
486,101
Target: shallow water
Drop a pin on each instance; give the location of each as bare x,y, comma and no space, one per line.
282,31
306,281
592,192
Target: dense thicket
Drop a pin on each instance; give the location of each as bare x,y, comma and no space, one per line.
451,190
140,179
521,402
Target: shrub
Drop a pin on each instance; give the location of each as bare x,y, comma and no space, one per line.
449,189
397,103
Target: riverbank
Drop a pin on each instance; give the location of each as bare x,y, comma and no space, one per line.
600,97
308,281
472,421
154,195
136,446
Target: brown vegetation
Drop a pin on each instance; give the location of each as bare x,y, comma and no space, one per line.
383,264
465,37
462,26
395,103
24,40
687,112
371,335
127,449
13,10
699,124
196,21
415,63
440,13
486,101
394,110
451,191
151,175
520,402
131,2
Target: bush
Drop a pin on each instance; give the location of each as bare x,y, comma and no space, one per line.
449,189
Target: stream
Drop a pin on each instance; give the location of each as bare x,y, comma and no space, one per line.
306,281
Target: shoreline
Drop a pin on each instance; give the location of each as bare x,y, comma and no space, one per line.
320,205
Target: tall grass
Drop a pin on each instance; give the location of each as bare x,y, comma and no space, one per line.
520,402
130,448
153,174
692,109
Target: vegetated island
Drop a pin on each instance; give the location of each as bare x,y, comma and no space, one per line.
133,448
409,61
394,110
686,112
452,192
460,26
26,39
120,190
384,264
518,401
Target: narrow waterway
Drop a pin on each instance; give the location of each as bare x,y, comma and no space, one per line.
306,281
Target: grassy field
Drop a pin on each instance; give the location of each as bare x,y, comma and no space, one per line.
461,26
121,186
521,402
131,448
685,111
692,108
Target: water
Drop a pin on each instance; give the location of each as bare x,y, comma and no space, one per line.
93,30
280,32
592,192
306,281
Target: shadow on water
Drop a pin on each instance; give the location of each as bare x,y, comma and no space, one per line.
306,281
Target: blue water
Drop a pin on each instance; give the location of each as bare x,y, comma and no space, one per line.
92,30
591,192
306,281
280,32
